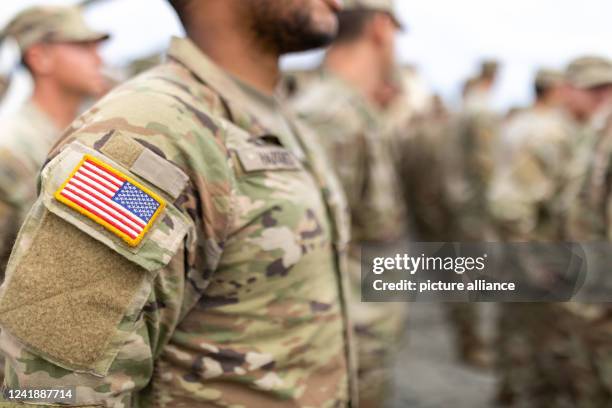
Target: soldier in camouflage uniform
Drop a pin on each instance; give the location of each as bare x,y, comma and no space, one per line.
553,353
587,349
477,91
340,105
532,153
534,148
60,52
469,160
230,291
416,125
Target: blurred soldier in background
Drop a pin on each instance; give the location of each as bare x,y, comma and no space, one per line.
477,92
469,161
534,148
418,124
188,245
589,100
60,52
552,354
470,157
342,106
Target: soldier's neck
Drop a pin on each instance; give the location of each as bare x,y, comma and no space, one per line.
358,66
253,65
59,104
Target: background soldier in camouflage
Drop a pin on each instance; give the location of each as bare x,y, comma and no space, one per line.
469,160
60,52
341,107
235,295
477,92
554,354
588,350
532,153
534,148
417,124
587,170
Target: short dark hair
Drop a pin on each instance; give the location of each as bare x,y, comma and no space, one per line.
351,23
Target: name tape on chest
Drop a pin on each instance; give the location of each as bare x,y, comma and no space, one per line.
270,158
111,199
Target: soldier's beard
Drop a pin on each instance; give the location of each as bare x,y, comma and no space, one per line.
285,27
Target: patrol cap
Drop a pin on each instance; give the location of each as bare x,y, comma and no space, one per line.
545,78
386,6
50,24
590,72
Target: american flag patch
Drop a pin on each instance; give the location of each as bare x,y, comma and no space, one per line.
111,199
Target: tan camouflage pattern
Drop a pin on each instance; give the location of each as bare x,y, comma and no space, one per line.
351,132
27,137
530,175
552,354
420,156
526,204
247,304
48,24
469,158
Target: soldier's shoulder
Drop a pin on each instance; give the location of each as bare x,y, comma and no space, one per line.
328,100
168,89
166,102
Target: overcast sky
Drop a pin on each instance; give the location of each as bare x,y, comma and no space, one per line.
446,38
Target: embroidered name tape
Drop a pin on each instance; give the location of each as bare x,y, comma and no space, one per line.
111,199
270,158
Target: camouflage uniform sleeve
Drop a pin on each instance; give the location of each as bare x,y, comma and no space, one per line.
87,306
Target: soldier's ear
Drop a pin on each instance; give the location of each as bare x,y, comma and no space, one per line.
39,60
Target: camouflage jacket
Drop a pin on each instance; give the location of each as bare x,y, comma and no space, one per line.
217,281
26,138
351,132
589,192
530,174
469,163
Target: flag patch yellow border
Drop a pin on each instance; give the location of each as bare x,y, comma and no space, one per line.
92,189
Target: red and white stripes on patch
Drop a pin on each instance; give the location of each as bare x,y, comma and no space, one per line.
92,188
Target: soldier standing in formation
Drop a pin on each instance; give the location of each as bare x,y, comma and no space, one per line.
468,157
341,106
188,245
60,52
547,359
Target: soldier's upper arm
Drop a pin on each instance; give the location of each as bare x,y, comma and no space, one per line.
106,226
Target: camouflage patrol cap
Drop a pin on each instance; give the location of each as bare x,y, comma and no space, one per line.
49,24
546,78
386,6
590,72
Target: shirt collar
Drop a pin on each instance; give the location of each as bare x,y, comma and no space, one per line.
187,53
